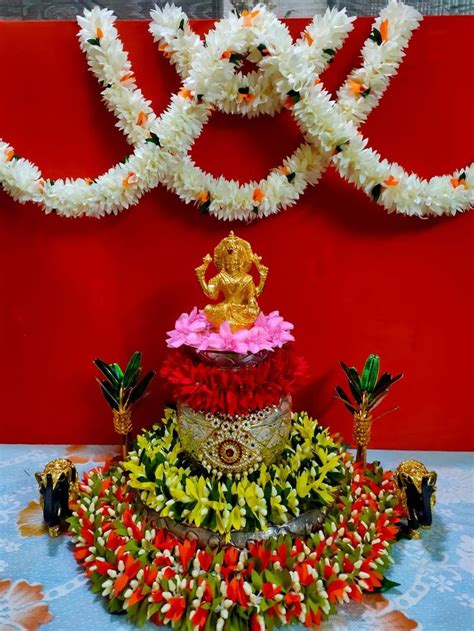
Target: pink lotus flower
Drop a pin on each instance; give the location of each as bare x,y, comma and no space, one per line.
225,340
189,329
269,332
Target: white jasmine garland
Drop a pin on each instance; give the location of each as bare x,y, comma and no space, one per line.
212,80
229,199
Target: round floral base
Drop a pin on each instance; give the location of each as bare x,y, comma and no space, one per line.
306,476
152,575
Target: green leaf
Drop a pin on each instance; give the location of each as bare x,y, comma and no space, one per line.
386,585
263,50
462,176
330,52
118,371
139,390
385,382
345,400
235,58
375,192
366,92
181,25
115,605
95,41
376,36
257,580
154,139
291,176
244,90
370,373
133,370
111,400
294,95
271,578
376,401
204,207
108,372
124,160
354,381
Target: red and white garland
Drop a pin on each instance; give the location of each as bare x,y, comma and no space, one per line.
288,75
151,575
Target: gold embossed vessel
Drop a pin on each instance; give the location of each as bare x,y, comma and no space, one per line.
235,444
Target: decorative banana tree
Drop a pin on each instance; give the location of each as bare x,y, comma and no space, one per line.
368,391
122,389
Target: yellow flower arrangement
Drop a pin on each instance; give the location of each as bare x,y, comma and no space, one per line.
306,476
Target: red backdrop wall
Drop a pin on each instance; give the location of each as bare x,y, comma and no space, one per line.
353,279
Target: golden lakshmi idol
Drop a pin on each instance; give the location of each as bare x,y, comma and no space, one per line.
233,258
223,443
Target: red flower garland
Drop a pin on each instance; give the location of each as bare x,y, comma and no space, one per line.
286,580
233,390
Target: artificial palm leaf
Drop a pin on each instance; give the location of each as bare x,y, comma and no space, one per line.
132,371
367,389
107,371
139,390
345,399
120,387
370,373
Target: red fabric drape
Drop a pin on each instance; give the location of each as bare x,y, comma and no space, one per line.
353,279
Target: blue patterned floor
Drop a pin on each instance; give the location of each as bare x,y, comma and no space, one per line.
436,572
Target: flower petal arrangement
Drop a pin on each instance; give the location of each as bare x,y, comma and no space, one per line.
153,576
306,476
267,333
288,76
219,390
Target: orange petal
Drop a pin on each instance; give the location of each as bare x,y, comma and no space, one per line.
248,17
284,170
288,103
308,38
9,153
120,584
131,178
99,33
355,86
226,54
258,195
129,76
142,118
384,30
204,196
88,180
390,181
185,93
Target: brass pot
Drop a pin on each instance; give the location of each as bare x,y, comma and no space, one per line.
235,444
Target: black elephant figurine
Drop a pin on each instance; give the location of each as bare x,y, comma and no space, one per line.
415,488
58,486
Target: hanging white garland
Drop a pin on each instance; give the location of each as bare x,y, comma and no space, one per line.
212,73
288,74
